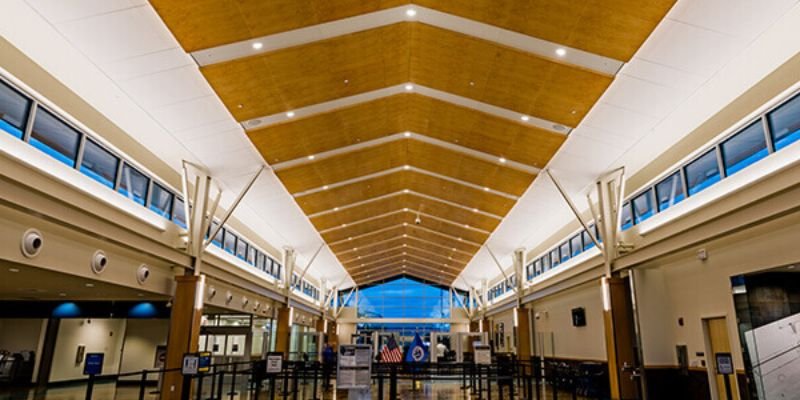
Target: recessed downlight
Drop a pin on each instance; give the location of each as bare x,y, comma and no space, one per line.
335,208
411,12
409,87
561,52
258,46
89,285
14,270
406,167
290,114
485,189
502,160
407,134
474,210
325,187
525,118
311,157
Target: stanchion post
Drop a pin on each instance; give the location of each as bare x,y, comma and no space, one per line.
89,387
200,387
393,383
232,393
142,383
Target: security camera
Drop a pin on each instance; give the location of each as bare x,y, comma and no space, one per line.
228,297
418,220
142,273
245,301
99,262
257,306
212,291
31,243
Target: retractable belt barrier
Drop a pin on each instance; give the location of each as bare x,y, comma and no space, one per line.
505,378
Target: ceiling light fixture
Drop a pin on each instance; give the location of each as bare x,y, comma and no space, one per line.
335,208
406,167
290,114
407,134
411,12
409,87
257,45
561,52
502,160
14,270
525,118
485,189
350,238
474,210
311,157
325,187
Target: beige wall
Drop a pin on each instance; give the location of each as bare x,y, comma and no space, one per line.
682,286
507,319
142,336
20,334
345,331
552,323
98,335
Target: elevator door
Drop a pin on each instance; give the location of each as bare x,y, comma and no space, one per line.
717,329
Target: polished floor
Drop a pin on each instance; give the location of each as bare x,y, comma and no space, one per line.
439,390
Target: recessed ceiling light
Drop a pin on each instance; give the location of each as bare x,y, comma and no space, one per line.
140,294
346,81
474,210
350,238
344,225
409,87
257,45
466,225
460,239
471,83
311,157
411,12
62,295
405,223
290,114
525,118
454,249
406,190
89,285
335,208
325,187
561,52
404,245
791,267
405,209
502,160
406,167
405,235
15,270
407,134
485,189
355,248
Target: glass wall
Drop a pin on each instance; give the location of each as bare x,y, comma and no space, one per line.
403,298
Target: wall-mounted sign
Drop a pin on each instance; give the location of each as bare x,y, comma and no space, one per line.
93,364
274,363
724,363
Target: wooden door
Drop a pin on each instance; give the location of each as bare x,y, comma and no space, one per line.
719,341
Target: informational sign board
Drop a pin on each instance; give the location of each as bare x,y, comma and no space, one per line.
724,363
355,366
204,362
274,363
483,354
93,364
191,364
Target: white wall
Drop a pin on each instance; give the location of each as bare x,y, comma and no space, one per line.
555,336
98,335
142,336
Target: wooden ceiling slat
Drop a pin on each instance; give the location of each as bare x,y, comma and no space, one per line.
399,181
410,252
355,230
400,202
424,115
432,158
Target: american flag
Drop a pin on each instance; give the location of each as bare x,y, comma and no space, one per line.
391,352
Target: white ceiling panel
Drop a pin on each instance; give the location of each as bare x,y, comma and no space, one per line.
644,97
118,35
743,18
138,66
690,48
57,11
618,120
191,114
662,75
167,87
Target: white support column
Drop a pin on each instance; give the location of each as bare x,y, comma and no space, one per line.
519,266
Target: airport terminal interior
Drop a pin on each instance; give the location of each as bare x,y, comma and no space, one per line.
399,199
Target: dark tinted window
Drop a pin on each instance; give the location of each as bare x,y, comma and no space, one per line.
241,249
669,191
133,184
643,206
555,259
545,262
99,164
744,148
179,213
566,254
575,245
784,123
161,201
55,137
230,242
587,240
537,267
251,255
627,219
14,109
702,172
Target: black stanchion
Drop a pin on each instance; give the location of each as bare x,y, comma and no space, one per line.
200,387
380,386
314,394
89,387
213,383
294,383
272,387
393,384
142,383
220,384
489,383
286,382
232,393
480,383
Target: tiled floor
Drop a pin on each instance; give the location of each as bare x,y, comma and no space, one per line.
438,390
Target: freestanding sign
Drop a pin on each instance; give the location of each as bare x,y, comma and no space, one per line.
355,366
191,364
274,363
93,364
483,354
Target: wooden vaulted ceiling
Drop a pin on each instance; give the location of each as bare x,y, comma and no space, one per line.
365,171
